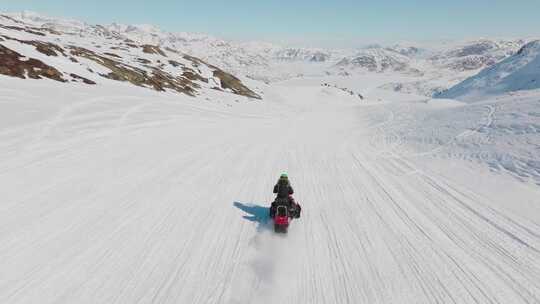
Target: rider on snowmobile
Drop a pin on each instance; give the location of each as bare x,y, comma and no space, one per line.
284,190
283,187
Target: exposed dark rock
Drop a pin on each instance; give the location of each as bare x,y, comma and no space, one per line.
161,81
144,61
119,71
195,61
319,57
186,76
12,19
364,61
16,65
191,75
152,49
112,55
171,50
47,48
118,48
23,29
85,80
472,62
175,63
158,80
227,81
478,48
232,83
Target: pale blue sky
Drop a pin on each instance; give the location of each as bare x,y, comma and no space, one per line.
309,21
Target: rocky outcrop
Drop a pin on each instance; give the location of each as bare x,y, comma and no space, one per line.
16,65
119,71
46,48
152,49
228,81
80,78
18,28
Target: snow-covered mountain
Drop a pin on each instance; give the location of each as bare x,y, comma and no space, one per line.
433,69
259,60
474,55
36,47
230,56
518,72
376,59
446,65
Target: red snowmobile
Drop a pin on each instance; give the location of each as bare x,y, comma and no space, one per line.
282,211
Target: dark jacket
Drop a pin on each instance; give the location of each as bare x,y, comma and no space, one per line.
283,189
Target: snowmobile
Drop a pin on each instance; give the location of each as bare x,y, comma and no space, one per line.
282,211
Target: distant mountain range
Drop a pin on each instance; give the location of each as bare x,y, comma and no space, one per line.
147,56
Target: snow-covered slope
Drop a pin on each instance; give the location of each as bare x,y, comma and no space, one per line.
518,72
127,195
476,54
70,51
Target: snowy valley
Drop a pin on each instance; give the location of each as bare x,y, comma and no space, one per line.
137,166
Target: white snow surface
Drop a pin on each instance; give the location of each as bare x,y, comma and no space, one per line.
127,195
518,72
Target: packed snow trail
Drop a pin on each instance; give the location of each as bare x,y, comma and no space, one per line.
147,200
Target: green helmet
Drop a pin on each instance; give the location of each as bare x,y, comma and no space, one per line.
284,176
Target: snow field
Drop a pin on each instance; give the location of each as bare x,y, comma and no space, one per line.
138,197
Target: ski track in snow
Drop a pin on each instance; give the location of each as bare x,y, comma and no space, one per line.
125,200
